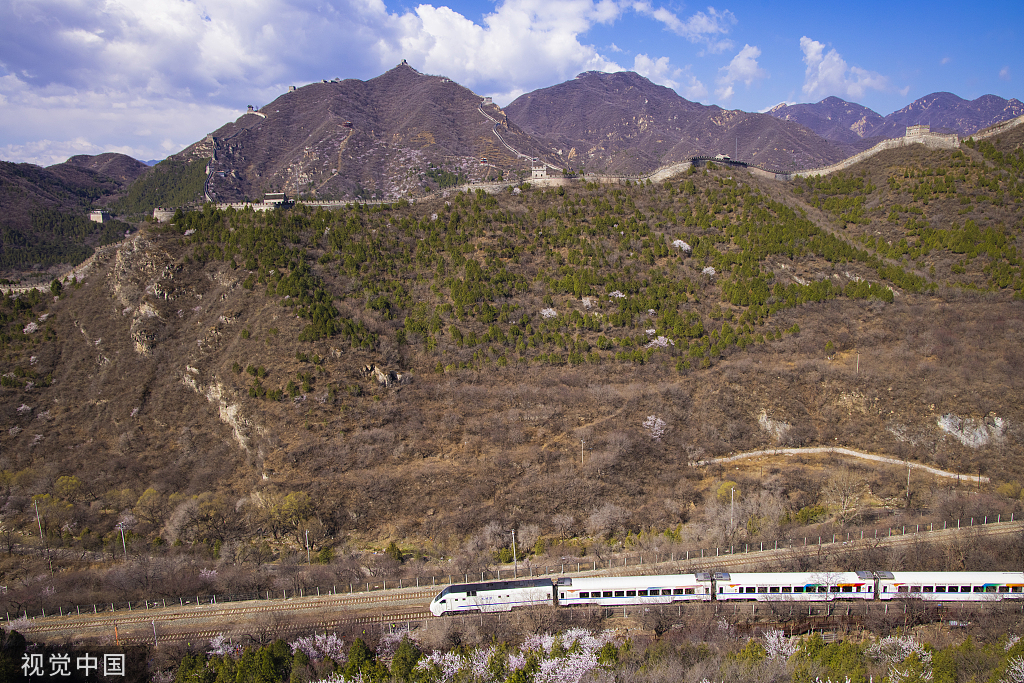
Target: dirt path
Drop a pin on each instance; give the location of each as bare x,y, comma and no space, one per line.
848,452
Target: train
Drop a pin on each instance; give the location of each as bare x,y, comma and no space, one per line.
617,591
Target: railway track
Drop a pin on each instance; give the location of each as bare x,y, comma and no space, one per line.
247,632
320,612
228,619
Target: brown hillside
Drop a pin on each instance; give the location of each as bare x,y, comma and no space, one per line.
374,139
623,123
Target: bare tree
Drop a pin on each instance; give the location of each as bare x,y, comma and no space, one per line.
565,524
841,493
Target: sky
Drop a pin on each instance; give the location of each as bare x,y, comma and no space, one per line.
149,77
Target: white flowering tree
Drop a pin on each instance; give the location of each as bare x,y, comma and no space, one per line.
1014,671
566,658
906,658
777,645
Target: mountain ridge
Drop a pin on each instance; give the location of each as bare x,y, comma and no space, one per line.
623,122
858,127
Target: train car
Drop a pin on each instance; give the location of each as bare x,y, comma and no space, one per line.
493,596
794,586
634,590
951,586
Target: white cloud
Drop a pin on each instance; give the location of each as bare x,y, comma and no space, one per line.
47,125
661,72
181,69
702,27
1004,73
946,60
743,68
829,74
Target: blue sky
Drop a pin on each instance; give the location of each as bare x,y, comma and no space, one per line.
149,77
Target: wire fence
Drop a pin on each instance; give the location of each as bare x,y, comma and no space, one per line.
638,561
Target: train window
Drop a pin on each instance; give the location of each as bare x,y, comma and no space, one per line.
442,602
1004,589
666,591
798,589
687,591
979,589
630,594
953,589
940,589
762,589
471,594
915,589
620,594
750,589
929,589
965,589
847,589
721,590
585,594
1017,589
642,594
990,589
773,589
788,589
607,594
822,589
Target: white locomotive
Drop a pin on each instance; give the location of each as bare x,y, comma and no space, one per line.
502,596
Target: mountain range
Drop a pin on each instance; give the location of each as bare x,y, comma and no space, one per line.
623,123
406,134
856,127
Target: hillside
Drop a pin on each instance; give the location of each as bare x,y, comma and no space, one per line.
44,211
856,128
624,123
401,134
205,383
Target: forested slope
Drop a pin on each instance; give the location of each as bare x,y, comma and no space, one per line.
207,380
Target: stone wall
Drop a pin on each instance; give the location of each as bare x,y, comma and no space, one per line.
932,140
998,128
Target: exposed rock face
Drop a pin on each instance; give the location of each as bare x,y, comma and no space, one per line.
137,281
230,413
973,432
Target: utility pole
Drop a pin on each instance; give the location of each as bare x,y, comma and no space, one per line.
42,540
307,546
123,544
908,483
732,508
515,559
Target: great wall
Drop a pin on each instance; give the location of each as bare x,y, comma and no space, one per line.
915,135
